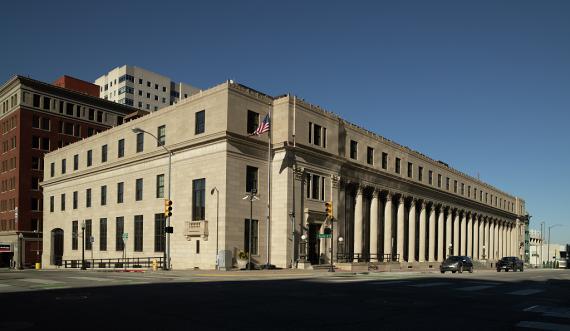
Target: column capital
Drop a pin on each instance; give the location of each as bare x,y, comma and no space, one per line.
401,199
299,173
375,193
359,189
423,205
389,196
335,179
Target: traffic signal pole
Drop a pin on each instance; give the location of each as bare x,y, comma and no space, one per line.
167,250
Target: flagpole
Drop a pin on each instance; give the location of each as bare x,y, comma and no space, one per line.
268,186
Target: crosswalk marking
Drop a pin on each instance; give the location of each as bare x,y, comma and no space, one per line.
95,279
430,284
475,288
41,281
543,326
525,292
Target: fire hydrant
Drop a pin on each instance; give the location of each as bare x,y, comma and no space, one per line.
154,265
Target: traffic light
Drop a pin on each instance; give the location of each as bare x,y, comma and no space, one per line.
329,208
167,207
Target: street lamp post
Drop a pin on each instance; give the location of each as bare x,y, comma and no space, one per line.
483,252
83,246
215,189
251,196
303,248
340,246
166,265
548,244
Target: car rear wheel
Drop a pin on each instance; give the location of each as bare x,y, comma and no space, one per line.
442,271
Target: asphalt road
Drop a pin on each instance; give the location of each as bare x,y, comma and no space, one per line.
284,300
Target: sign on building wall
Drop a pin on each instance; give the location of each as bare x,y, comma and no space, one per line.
5,248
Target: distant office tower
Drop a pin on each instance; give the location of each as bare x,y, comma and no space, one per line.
140,88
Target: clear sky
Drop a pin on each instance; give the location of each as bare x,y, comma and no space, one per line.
481,85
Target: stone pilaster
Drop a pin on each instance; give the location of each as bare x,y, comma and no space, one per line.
422,233
431,236
374,226
358,215
464,234
440,233
412,232
456,234
400,228
388,225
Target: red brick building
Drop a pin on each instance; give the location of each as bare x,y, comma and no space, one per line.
35,118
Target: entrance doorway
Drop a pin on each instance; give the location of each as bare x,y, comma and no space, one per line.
56,246
314,243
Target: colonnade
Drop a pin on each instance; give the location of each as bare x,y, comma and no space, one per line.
413,229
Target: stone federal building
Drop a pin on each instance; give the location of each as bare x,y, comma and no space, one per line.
36,118
390,203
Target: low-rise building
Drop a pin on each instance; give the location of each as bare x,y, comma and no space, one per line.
389,203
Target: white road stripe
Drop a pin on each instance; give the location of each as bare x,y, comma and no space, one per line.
95,279
475,288
430,284
40,281
543,326
525,292
5,285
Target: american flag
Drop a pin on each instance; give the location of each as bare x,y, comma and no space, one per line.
263,126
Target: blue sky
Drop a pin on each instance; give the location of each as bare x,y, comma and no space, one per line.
482,85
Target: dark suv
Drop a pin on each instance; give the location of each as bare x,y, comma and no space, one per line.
510,263
456,264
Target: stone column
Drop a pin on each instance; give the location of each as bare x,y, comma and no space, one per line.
491,239
431,242
476,237
400,229
388,225
509,252
487,237
412,232
358,215
497,240
470,236
456,234
448,232
422,233
374,226
440,247
464,234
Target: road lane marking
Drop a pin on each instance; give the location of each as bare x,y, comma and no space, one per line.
475,288
543,326
525,292
41,281
95,279
430,284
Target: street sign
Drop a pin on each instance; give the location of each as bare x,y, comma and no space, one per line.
169,229
125,235
325,235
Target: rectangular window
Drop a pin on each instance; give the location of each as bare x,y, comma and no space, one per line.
317,134
454,186
310,132
200,122
104,153
91,114
120,229
161,135
140,142
88,198
324,137
447,183
199,199
370,155
75,199
88,234
51,204
75,162
439,180
159,234
89,157
74,235
63,166
397,165
121,148
139,189
251,178
103,195
160,186
52,169
254,236
36,163
62,202
410,169
102,234
384,160
120,192
138,240
353,150
36,101
252,121
420,174
430,177
315,187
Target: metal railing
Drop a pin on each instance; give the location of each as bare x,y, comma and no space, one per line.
363,257
132,262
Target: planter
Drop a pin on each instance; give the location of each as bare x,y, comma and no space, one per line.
242,264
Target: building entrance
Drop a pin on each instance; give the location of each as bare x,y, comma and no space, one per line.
314,243
56,246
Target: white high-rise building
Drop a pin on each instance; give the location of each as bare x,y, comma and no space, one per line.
141,88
